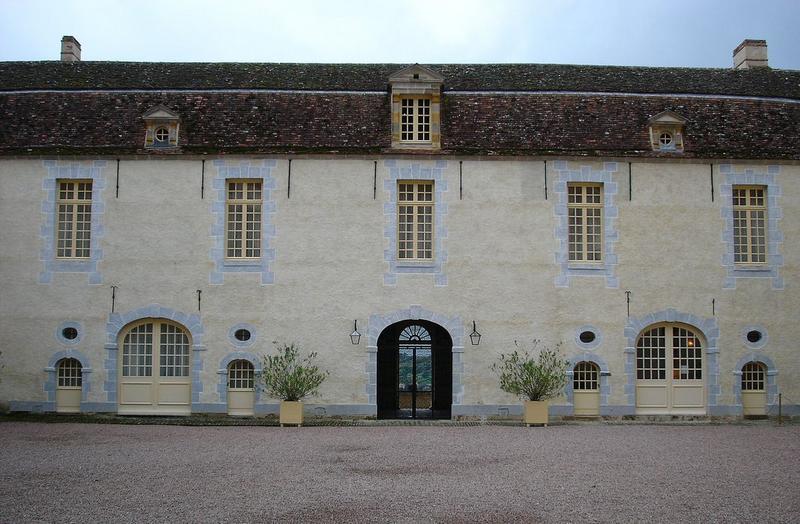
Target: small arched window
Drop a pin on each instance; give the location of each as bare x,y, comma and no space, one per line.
241,375
753,374
69,373
585,376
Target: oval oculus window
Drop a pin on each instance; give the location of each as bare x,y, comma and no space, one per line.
754,336
243,335
70,333
587,337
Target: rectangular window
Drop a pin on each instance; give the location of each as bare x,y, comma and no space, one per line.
415,220
750,224
74,227
415,120
585,211
243,228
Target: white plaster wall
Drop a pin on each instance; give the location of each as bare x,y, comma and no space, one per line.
329,269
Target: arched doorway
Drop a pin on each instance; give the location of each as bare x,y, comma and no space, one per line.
670,370
241,388
154,369
69,386
754,391
586,389
415,371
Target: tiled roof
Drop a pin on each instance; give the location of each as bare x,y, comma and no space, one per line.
374,77
97,107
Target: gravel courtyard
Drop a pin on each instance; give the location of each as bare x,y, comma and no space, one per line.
596,473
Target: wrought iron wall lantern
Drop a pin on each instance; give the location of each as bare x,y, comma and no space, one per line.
355,336
474,337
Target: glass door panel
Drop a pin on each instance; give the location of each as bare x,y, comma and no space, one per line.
405,381
424,381
415,381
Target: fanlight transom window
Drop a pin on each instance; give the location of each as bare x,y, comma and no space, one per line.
241,375
585,376
69,373
753,375
415,333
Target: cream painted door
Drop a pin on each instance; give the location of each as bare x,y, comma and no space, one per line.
586,389
241,388
587,403
754,394
69,387
669,372
154,370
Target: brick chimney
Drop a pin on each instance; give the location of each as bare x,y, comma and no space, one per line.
750,54
70,49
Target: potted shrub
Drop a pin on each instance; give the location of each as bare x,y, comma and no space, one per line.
535,378
288,377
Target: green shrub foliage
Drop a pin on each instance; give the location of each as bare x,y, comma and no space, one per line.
288,377
540,376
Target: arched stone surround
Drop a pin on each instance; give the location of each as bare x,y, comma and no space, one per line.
771,385
222,386
708,328
51,382
377,323
605,386
117,322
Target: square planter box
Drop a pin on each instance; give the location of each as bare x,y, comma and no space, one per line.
291,413
536,412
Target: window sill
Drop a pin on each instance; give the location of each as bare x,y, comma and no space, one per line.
249,262
430,264
599,266
416,146
753,269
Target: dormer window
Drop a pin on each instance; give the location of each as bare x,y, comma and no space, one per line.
666,132
161,128
416,103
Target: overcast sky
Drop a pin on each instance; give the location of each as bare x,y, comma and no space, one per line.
695,33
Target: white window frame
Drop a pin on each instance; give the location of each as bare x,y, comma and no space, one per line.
584,375
241,375
243,252
76,207
156,348
754,377
69,373
416,113
578,243
421,249
743,246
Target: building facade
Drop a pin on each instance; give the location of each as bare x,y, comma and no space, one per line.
164,224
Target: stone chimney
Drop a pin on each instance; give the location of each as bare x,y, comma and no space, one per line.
70,49
750,54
